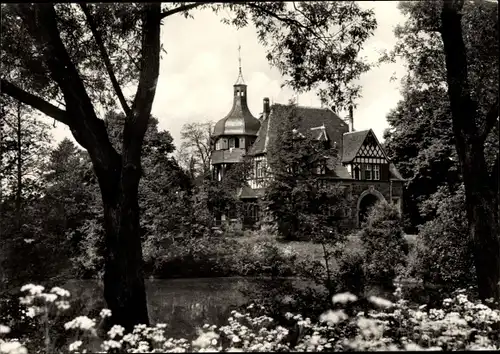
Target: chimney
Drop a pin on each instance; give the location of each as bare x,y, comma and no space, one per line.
266,108
351,119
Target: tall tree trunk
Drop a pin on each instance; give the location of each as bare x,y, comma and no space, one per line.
480,195
124,289
19,166
483,228
118,175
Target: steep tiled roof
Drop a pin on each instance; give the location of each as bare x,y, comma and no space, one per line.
310,118
351,143
260,143
338,169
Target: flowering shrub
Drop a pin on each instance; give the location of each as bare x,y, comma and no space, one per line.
460,324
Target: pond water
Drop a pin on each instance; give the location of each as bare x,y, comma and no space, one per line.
183,304
187,304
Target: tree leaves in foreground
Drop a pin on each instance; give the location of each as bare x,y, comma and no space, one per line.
62,59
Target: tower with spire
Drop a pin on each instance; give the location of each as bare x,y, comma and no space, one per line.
236,132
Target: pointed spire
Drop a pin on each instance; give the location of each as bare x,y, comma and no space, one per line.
240,80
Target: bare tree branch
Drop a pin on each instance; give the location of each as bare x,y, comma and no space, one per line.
36,102
137,123
181,9
489,121
105,58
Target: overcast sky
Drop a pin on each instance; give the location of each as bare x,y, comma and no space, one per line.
201,65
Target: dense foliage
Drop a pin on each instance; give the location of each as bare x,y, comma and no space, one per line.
451,97
385,247
444,252
420,140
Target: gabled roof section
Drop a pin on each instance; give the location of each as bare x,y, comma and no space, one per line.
338,169
310,119
395,173
245,192
352,142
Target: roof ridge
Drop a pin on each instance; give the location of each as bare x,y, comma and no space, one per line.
358,131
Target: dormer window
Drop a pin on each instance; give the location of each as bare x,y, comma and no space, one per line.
321,168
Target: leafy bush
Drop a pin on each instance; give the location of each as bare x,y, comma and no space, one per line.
443,252
89,261
350,270
384,244
210,256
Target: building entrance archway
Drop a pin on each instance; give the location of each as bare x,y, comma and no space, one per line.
366,201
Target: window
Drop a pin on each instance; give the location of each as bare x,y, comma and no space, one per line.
259,169
224,144
242,143
218,145
231,143
236,142
321,168
376,172
368,172
356,172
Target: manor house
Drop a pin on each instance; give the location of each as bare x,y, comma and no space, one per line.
363,167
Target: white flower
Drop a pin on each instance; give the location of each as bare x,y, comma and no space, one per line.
31,312
109,344
80,322
4,329
60,291
344,298
205,339
236,339
105,313
333,317
132,338
164,325
116,330
234,350
413,347
62,305
380,301
75,345
26,300
49,297
33,289
13,347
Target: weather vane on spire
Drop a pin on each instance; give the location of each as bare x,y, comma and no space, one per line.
239,54
240,80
